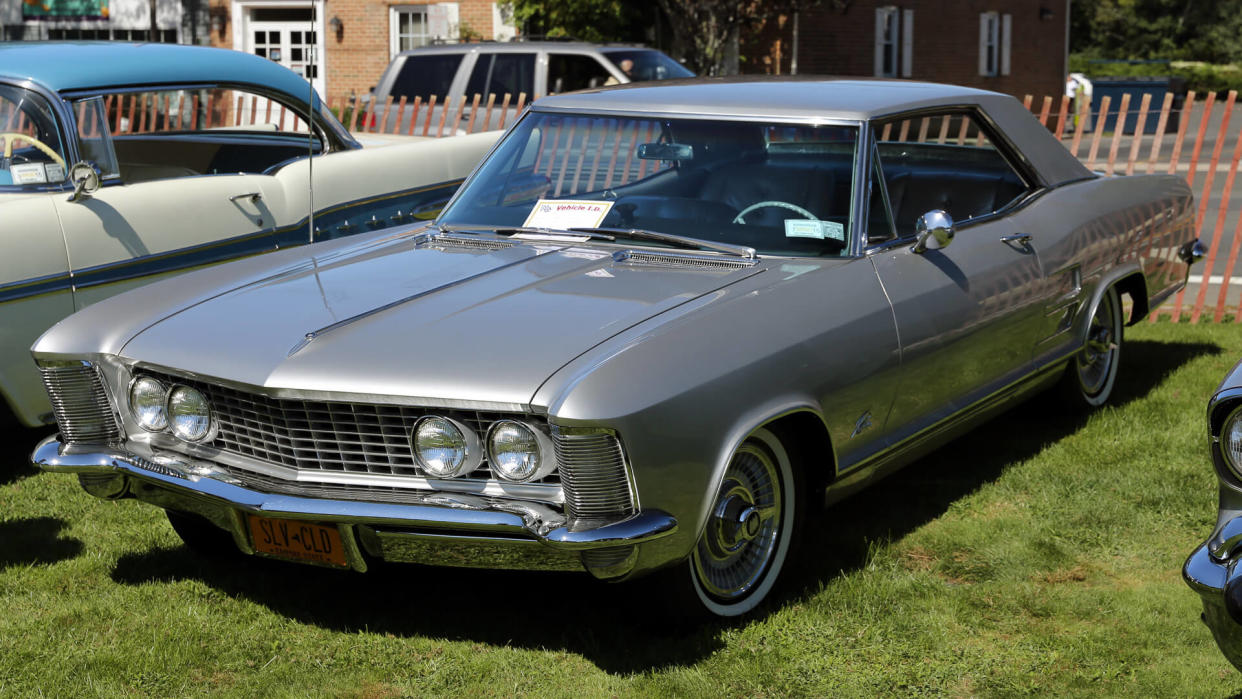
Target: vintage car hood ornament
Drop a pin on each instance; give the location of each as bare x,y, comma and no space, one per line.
440,317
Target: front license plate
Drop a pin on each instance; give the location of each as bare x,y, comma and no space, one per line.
298,541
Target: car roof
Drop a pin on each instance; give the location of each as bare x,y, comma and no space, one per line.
524,47
78,65
851,99
821,99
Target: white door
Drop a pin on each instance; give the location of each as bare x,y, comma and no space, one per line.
289,36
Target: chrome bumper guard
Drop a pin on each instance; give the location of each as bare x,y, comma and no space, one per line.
446,529
1213,572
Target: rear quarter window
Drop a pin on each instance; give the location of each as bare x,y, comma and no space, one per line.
424,76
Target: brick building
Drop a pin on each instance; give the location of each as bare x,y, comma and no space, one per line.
1011,46
355,38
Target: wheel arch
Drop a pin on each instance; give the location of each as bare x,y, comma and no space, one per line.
1134,285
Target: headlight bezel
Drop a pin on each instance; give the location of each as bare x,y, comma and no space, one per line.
544,448
164,390
1232,461
208,433
473,450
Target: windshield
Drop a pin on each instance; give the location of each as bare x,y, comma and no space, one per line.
782,189
31,152
646,64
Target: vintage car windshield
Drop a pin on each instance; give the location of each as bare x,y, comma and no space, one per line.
31,150
783,189
645,64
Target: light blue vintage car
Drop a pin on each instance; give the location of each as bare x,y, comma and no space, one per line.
122,163
657,326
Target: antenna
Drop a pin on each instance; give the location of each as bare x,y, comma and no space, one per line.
311,67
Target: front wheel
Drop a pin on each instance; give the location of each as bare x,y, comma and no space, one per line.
749,534
1092,372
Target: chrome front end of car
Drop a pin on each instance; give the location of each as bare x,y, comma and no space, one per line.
1213,570
590,523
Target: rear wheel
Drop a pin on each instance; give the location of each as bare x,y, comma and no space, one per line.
1092,372
749,534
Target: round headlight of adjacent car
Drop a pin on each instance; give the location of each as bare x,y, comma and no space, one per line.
1231,440
519,452
189,414
147,399
445,448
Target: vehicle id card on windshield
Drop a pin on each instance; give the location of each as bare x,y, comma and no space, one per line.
563,214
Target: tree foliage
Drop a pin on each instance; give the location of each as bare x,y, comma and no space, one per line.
1198,30
596,21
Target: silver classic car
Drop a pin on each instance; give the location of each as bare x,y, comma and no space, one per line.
655,327
1212,570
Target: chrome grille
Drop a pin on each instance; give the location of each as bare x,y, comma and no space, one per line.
80,403
593,475
324,436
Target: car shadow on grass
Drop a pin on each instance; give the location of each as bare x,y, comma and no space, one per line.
619,627
16,444
35,541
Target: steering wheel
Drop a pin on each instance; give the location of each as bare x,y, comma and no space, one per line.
10,136
761,204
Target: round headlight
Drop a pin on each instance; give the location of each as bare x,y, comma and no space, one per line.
1231,440
445,448
146,403
189,414
519,452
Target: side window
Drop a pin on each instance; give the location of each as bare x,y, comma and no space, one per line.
568,72
943,161
424,76
94,138
162,134
501,73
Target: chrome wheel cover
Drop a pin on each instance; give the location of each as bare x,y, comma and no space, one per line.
1096,360
743,530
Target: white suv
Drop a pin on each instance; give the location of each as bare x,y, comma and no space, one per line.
535,68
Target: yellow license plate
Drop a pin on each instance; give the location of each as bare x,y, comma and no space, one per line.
298,541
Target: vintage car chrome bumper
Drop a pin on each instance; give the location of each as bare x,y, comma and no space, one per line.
440,529
1212,571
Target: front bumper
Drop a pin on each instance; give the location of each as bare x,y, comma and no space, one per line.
1213,572
436,528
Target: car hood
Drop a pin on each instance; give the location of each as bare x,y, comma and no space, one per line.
443,321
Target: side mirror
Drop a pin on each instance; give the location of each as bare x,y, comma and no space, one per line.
934,230
85,179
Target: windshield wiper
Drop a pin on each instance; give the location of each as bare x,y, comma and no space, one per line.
682,240
593,234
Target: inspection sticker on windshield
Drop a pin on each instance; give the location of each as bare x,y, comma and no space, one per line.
809,228
563,214
29,173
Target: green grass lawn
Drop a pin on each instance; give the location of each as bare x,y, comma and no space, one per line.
1039,554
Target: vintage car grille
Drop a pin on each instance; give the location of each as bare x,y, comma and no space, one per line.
311,435
80,403
593,475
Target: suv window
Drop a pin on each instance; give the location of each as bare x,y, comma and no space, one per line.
943,161
572,71
424,76
501,73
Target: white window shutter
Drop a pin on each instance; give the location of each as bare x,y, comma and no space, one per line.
907,43
880,15
983,43
1006,29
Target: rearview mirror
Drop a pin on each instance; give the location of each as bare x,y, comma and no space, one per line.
85,179
934,230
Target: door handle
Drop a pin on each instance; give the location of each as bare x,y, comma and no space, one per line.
252,196
1019,238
